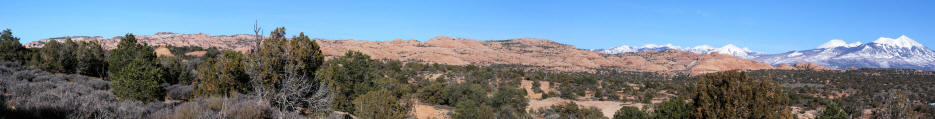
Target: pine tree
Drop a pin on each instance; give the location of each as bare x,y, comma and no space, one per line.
11,49
630,113
673,109
90,58
285,73
222,76
133,71
50,57
832,111
731,94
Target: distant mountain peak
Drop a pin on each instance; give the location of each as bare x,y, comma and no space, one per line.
729,49
902,42
833,43
901,52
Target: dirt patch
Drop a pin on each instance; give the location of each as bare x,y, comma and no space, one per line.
804,114
162,51
545,86
428,111
196,53
607,107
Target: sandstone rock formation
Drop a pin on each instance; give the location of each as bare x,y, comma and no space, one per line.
458,51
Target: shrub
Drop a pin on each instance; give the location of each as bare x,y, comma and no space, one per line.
134,74
222,76
470,109
675,108
379,105
832,111
630,113
732,94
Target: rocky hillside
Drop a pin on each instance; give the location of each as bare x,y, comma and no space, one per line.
543,53
239,42
458,51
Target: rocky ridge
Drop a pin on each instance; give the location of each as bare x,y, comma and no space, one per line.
460,51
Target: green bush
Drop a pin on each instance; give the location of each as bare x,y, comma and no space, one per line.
134,74
732,94
630,113
832,111
675,108
222,76
470,109
379,105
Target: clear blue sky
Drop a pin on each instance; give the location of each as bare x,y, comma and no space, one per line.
768,26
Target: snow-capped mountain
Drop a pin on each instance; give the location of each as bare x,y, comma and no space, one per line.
884,52
728,49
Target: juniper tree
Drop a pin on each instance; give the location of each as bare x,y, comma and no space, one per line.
133,72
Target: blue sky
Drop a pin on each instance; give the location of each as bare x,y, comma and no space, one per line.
768,26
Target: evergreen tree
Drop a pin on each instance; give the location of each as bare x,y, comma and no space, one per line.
11,49
470,109
175,71
352,74
222,76
66,56
133,72
630,113
51,57
285,73
90,58
731,94
832,111
675,108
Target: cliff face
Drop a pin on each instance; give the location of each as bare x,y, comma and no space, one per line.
239,42
538,52
458,51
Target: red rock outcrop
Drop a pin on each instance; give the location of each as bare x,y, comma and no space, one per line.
458,51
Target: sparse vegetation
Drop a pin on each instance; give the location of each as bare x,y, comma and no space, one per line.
289,78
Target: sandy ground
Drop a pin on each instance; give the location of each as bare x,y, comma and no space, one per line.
196,53
535,100
804,114
427,111
607,107
162,51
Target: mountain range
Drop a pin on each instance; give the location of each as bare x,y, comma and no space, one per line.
901,52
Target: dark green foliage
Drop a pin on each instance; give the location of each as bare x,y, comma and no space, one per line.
90,58
280,59
572,111
176,71
352,74
10,48
133,71
379,105
864,88
434,92
627,112
51,57
675,108
222,76
470,109
462,92
832,111
732,94
284,72
509,97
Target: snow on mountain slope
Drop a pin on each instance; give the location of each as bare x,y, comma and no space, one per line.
729,49
901,52
839,43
